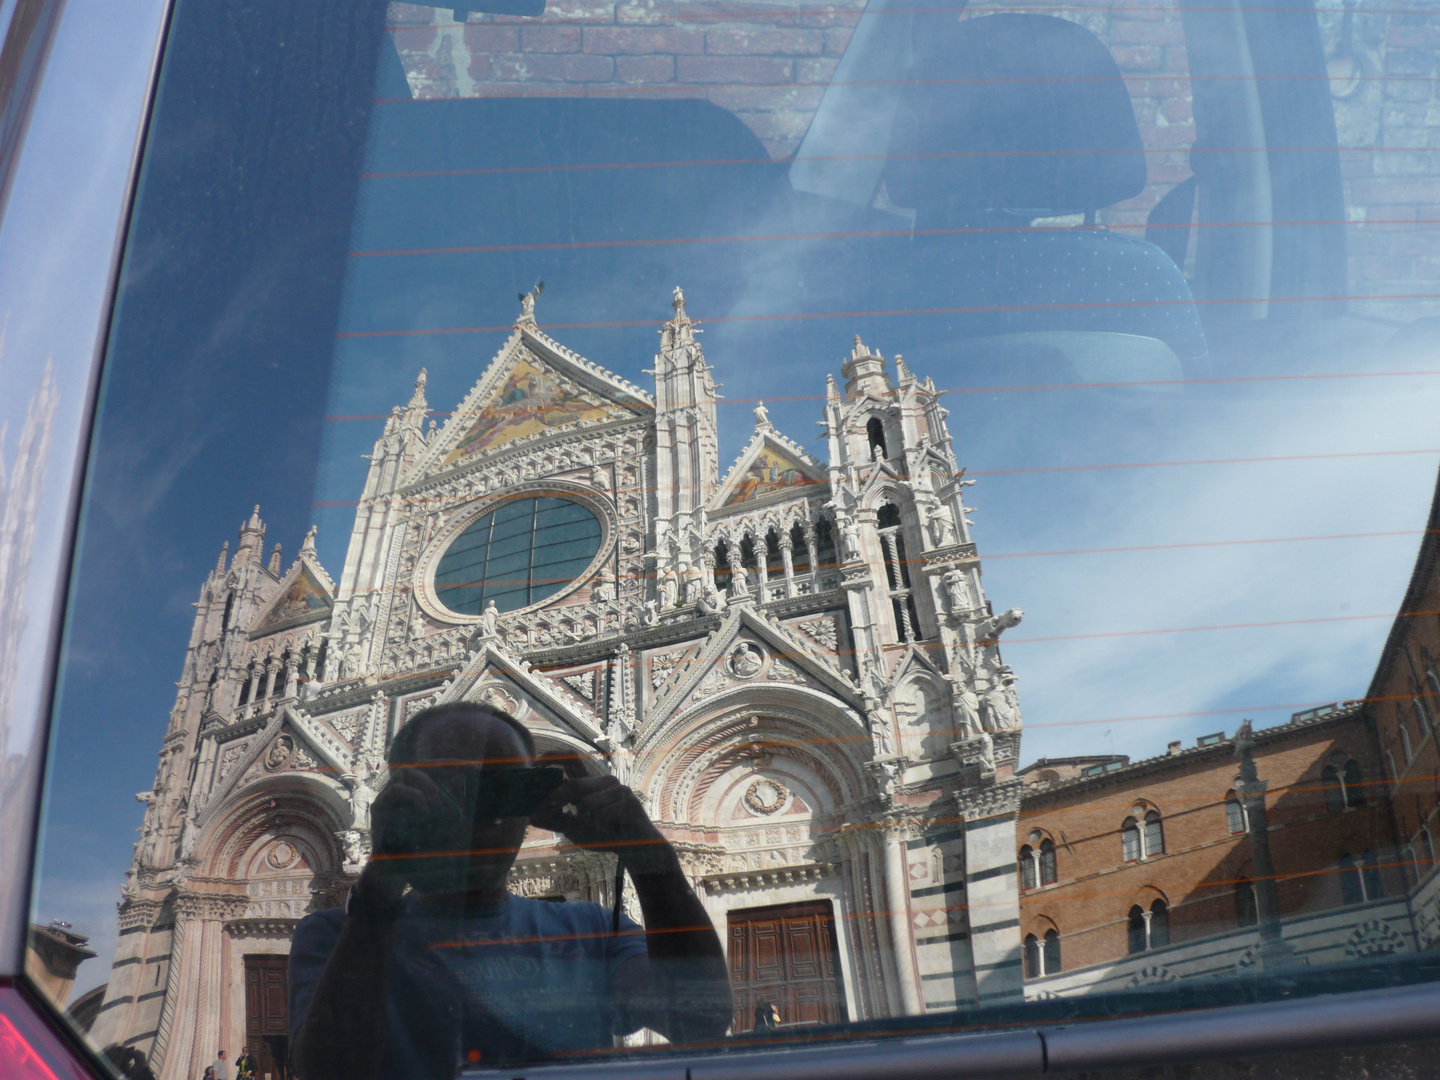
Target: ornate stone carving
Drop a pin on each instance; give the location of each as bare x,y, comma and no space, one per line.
780,671
282,855
822,632
745,660
989,801
280,753
766,796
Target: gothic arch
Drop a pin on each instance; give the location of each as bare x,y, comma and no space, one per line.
927,732
792,723
299,804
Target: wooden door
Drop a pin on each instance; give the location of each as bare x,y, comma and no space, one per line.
266,1015
786,955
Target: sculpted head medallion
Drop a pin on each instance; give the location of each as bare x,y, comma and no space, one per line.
745,660
281,750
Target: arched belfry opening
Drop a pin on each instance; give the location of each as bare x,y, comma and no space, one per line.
897,572
875,433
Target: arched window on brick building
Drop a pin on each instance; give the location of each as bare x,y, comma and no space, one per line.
1235,816
1360,878
1037,863
1048,870
1029,869
1148,928
1144,838
1042,955
1344,781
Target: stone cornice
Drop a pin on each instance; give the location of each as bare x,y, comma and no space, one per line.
210,906
990,800
776,878
263,928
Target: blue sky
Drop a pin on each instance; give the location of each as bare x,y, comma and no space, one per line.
1185,556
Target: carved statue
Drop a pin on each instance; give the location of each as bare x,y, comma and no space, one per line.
1001,704
350,662
353,844
692,590
987,752
490,619
967,703
651,615
762,416
957,589
739,581
605,591
189,833
850,534
942,526
599,478
745,662
669,589
880,734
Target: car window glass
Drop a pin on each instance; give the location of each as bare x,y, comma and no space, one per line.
472,359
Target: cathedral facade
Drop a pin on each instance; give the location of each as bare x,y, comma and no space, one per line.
793,663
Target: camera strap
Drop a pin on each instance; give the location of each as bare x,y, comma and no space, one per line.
619,893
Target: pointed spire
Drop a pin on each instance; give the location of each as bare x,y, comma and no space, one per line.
252,539
864,372
680,330
902,373
224,554
274,566
832,390
416,408
308,547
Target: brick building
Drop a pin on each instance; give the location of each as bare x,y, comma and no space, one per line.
1402,705
1146,870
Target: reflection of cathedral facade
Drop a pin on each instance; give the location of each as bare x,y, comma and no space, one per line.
794,664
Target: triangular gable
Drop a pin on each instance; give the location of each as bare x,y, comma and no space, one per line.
532,387
302,597
531,400
332,755
913,659
769,466
492,667
790,657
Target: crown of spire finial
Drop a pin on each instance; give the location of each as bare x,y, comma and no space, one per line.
677,301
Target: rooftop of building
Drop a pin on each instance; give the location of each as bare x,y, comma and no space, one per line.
1105,769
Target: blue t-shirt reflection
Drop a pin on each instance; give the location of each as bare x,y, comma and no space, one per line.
525,978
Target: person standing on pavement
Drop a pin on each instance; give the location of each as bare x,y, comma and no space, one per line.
221,1066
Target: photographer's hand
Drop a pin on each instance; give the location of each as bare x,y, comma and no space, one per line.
682,989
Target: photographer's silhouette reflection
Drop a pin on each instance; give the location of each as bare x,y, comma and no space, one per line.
433,965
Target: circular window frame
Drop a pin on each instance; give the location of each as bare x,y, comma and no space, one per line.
423,582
